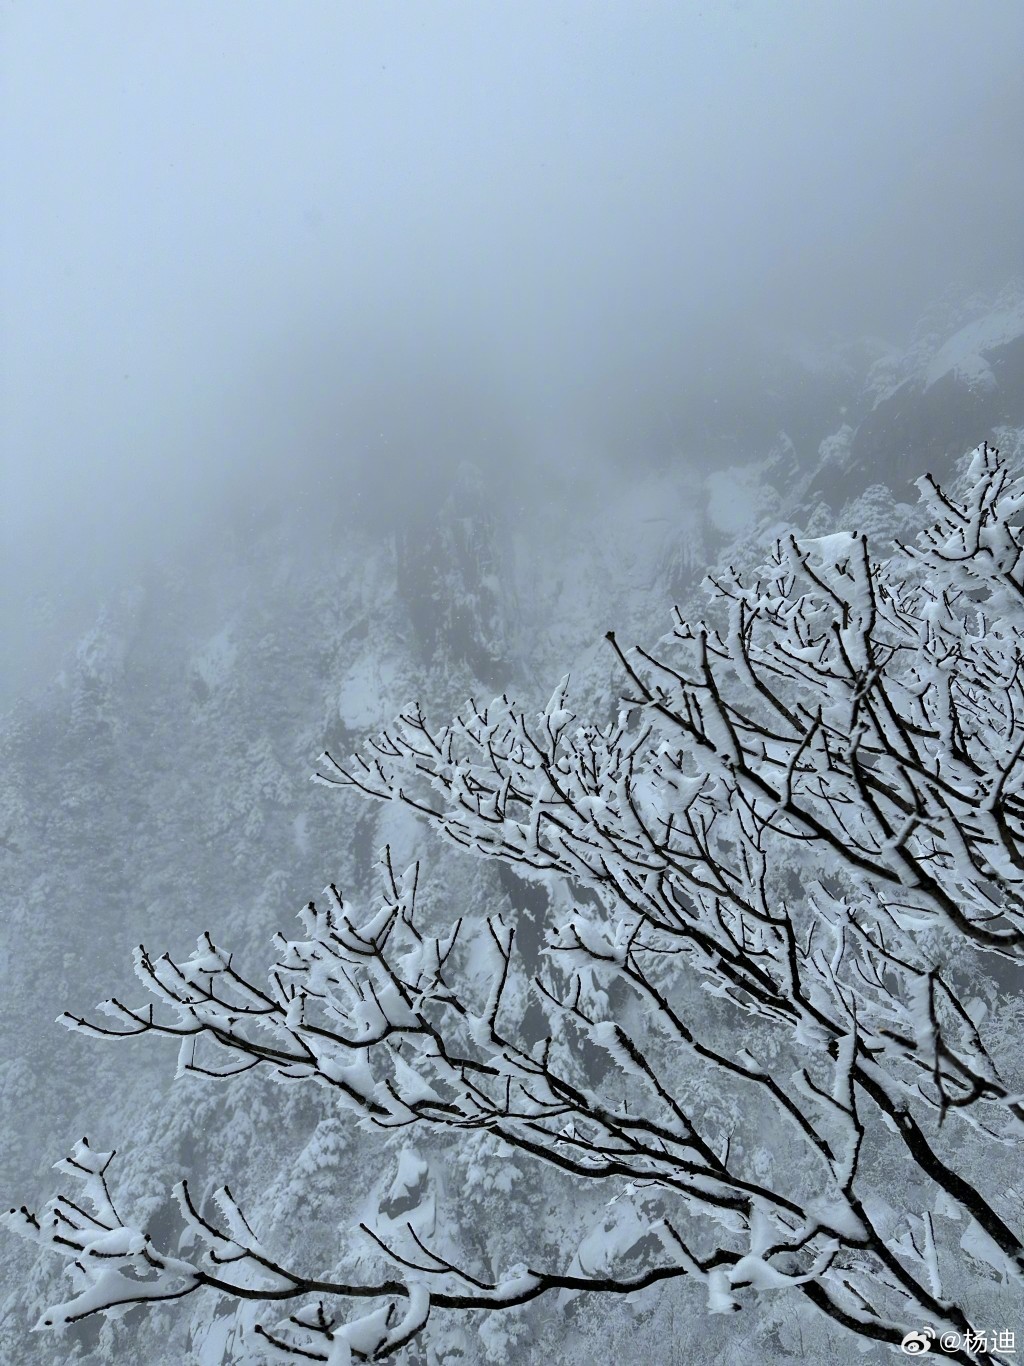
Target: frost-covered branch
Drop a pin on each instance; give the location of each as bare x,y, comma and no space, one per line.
787,860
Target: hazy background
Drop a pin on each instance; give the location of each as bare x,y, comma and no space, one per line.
311,250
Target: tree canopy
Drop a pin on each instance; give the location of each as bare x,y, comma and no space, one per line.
779,878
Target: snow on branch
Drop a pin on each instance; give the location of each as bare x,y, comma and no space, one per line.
809,808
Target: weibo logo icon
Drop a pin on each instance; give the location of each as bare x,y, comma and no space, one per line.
918,1341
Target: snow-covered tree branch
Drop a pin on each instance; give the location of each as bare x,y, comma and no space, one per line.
777,879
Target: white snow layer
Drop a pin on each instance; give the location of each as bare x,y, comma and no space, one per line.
964,354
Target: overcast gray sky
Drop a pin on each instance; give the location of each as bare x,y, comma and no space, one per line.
239,239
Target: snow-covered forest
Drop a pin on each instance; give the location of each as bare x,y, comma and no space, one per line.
184,735
561,680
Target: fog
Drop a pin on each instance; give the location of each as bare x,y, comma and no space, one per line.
321,249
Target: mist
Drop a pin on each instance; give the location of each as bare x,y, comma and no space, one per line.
324,251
